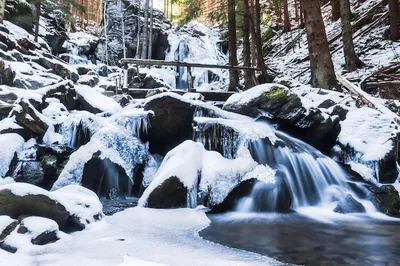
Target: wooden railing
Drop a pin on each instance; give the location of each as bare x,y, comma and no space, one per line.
149,62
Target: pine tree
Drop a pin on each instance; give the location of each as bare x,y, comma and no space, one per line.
249,81
233,73
394,19
335,13
348,45
322,71
286,17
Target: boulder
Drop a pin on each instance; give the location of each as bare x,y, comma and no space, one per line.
6,74
349,205
171,123
17,199
20,13
89,80
286,109
155,92
170,194
40,230
386,199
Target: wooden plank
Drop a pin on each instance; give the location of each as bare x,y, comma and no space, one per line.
217,96
151,62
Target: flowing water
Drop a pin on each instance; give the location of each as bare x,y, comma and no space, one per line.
312,178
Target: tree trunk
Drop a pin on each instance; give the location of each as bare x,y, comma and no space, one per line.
301,25
257,25
2,8
38,5
286,16
138,44
322,71
347,37
233,73
150,53
82,15
253,36
145,30
296,10
170,11
335,14
394,19
248,81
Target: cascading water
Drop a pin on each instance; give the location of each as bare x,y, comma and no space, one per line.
312,178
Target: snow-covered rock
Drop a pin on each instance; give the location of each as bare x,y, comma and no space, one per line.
69,212
10,145
41,230
7,225
284,107
190,175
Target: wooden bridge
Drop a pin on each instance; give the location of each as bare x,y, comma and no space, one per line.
208,95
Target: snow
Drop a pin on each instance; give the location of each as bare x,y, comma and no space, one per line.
218,175
98,100
10,144
143,235
368,131
38,225
9,123
6,180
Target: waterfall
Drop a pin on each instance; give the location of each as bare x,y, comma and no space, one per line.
311,178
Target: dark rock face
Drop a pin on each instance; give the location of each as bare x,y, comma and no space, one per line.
45,166
45,237
170,125
170,194
386,199
102,176
287,110
33,205
349,205
8,229
20,13
159,40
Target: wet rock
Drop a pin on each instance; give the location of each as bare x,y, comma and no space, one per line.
340,111
170,194
349,205
31,173
3,46
123,99
26,116
286,109
83,70
386,199
171,123
59,68
327,104
102,175
115,194
7,225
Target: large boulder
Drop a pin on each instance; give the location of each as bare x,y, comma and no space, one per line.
171,123
72,207
286,108
170,194
20,13
158,41
386,199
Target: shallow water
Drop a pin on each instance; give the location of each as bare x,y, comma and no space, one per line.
298,239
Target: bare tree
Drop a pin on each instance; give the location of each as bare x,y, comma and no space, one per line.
145,30
348,45
335,13
249,79
322,71
286,16
150,42
394,19
38,5
233,73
